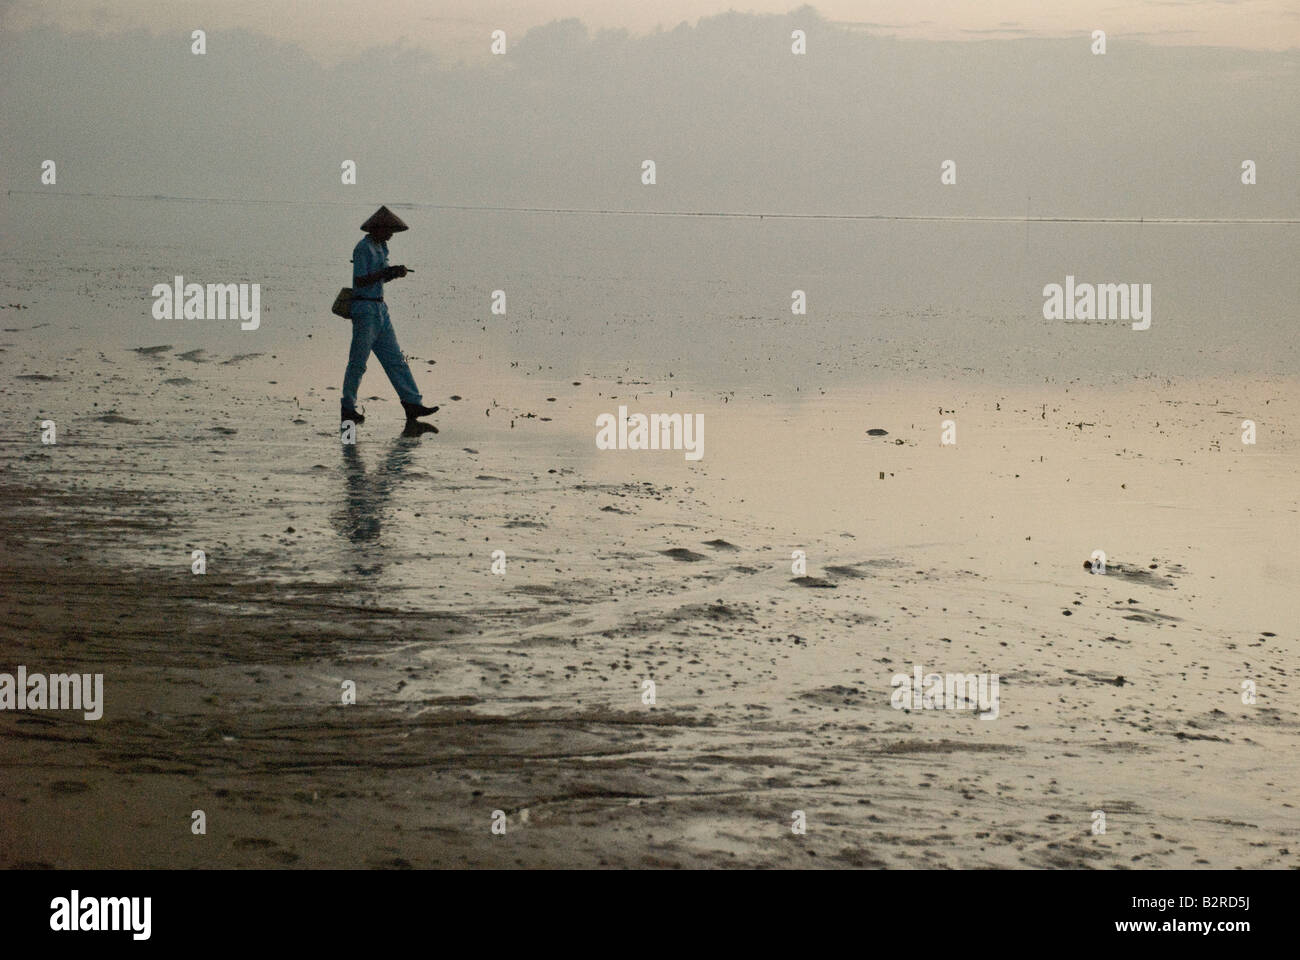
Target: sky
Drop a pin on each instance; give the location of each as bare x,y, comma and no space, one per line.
731,117
331,30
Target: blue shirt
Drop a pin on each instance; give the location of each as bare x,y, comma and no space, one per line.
368,256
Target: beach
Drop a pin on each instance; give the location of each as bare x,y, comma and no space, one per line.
518,699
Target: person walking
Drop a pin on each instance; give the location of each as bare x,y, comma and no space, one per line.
372,330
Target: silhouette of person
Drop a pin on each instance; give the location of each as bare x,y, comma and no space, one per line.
372,330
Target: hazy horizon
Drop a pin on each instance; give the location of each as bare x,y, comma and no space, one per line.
734,122
457,30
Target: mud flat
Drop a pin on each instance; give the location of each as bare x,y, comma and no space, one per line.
523,692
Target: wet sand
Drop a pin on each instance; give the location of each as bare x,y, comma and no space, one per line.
523,693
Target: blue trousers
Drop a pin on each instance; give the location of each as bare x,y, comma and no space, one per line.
372,330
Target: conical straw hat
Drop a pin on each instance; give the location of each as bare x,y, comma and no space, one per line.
384,219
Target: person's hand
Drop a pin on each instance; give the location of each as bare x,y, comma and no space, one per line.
400,270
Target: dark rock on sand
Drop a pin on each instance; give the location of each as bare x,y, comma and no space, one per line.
681,553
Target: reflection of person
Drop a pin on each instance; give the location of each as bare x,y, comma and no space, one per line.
360,517
371,327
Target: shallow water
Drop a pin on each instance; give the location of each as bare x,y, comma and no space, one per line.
705,301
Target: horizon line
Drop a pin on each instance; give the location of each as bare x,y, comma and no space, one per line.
712,214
